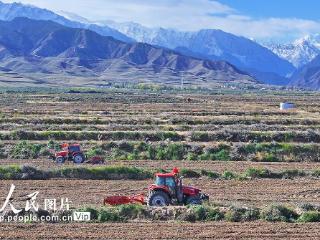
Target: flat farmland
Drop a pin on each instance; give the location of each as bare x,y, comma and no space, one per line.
258,193
216,132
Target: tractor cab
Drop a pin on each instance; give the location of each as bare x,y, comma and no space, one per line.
75,148
68,150
168,189
168,182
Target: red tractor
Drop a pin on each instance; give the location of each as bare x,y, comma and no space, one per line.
70,153
167,190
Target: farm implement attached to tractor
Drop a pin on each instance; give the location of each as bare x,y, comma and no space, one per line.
166,190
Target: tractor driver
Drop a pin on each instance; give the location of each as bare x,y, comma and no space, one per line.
171,183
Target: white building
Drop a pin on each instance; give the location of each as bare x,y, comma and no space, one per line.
287,106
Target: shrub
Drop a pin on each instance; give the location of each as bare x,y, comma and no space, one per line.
293,173
251,214
257,173
270,157
151,152
222,155
188,216
192,157
109,215
278,213
200,213
95,151
311,216
125,146
109,146
242,214
167,152
3,153
131,211
110,172
175,152
200,137
189,173
206,156
142,147
227,175
210,174
307,207
265,157
26,150
10,173
213,214
54,145
316,173
207,213
31,173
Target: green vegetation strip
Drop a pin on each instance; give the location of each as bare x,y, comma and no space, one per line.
133,173
230,136
141,150
94,173
205,213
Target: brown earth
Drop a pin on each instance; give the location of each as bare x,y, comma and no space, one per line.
259,192
163,112
216,166
212,230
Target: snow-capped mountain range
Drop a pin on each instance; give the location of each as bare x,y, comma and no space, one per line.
270,63
208,44
214,45
9,11
300,52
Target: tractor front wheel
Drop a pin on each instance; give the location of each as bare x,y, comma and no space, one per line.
60,160
194,200
158,199
78,159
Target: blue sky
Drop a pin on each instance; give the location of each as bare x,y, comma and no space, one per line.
279,20
307,9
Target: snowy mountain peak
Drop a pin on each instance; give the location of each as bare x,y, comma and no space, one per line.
74,17
10,11
300,52
212,44
313,39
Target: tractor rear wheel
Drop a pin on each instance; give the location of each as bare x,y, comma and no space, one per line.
193,200
60,160
158,199
78,159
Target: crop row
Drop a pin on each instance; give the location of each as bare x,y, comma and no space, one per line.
225,135
272,213
141,120
158,127
131,173
141,150
206,213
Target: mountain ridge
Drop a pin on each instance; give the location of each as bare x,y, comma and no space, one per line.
299,53
215,45
56,49
207,44
9,11
308,76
